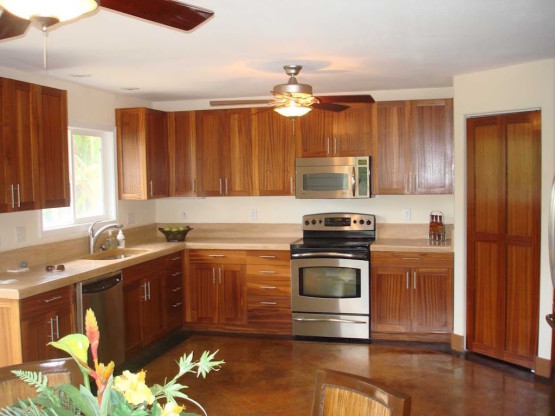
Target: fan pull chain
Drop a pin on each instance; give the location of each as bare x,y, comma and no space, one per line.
44,44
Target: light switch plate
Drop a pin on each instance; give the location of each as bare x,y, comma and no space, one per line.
253,214
20,234
406,214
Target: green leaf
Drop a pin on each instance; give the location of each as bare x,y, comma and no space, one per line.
82,398
75,345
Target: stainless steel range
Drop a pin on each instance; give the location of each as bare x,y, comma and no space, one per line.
330,276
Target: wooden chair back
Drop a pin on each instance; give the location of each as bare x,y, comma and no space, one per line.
342,394
59,371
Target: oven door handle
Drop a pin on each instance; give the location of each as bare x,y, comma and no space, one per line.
329,254
337,320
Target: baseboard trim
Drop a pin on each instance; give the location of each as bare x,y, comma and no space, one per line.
457,343
543,367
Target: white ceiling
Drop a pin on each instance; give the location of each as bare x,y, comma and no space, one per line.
344,46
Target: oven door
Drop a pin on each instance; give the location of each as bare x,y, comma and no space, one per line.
330,285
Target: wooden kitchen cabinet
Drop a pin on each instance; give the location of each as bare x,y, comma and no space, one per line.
181,153
413,147
269,291
18,146
45,318
144,307
217,287
412,296
344,133
142,141
224,153
273,138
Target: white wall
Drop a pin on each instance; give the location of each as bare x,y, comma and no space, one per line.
520,87
87,108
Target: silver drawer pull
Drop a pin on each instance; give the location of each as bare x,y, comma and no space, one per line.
176,258
412,258
177,289
176,274
268,271
52,299
268,287
176,305
342,321
216,255
267,257
268,303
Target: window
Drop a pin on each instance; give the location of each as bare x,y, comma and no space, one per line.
92,180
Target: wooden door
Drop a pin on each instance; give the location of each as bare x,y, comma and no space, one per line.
238,173
38,331
274,153
503,215
390,299
431,146
315,134
204,296
390,150
352,131
134,292
210,148
232,287
53,147
157,154
181,149
432,300
154,307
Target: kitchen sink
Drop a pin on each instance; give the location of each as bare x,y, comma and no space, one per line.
115,254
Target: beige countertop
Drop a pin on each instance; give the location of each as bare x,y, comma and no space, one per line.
412,245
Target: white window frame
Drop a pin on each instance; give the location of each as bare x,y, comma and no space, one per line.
109,176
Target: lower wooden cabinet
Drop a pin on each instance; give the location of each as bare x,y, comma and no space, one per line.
174,291
46,317
412,296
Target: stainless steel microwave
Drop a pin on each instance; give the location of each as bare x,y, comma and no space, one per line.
333,177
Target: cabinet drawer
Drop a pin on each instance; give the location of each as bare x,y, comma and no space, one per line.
217,256
268,270
53,299
411,259
268,257
268,286
174,261
262,309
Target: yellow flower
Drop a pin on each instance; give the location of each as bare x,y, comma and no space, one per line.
133,388
170,409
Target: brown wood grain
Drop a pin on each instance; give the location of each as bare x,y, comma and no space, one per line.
181,149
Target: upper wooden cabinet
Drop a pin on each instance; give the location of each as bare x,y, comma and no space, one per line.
327,133
142,153
274,153
224,153
413,147
18,142
181,153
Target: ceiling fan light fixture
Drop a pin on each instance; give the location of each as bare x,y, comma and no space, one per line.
52,10
292,110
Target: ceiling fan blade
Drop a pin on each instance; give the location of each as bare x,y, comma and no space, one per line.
330,107
166,12
345,98
11,25
239,102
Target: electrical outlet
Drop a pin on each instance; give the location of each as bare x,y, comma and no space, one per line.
406,214
184,214
253,214
130,218
20,234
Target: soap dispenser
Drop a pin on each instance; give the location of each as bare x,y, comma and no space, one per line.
121,239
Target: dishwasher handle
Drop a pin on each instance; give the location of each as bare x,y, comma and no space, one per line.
101,285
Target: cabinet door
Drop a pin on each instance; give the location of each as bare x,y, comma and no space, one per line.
153,307
204,300
53,153
432,300
134,293
431,138
390,157
38,331
157,154
390,299
315,134
352,131
181,145
274,150
210,148
238,174
232,294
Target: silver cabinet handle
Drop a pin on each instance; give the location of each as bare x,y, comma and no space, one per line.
268,287
267,257
328,143
51,323
216,255
213,276
414,281
175,258
407,280
18,196
52,299
226,190
342,321
334,146
268,272
151,188
176,305
220,186
176,274
57,327
291,184
412,258
177,289
13,195
219,275
268,303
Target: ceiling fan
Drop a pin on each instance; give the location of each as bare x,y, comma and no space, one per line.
17,15
295,100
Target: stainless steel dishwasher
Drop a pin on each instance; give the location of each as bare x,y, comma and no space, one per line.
104,295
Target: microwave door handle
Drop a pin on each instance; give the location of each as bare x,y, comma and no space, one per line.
353,182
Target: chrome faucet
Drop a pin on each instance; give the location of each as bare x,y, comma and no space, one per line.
94,235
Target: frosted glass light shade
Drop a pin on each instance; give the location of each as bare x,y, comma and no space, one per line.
292,110
61,10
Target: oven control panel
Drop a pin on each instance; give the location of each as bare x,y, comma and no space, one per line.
339,221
